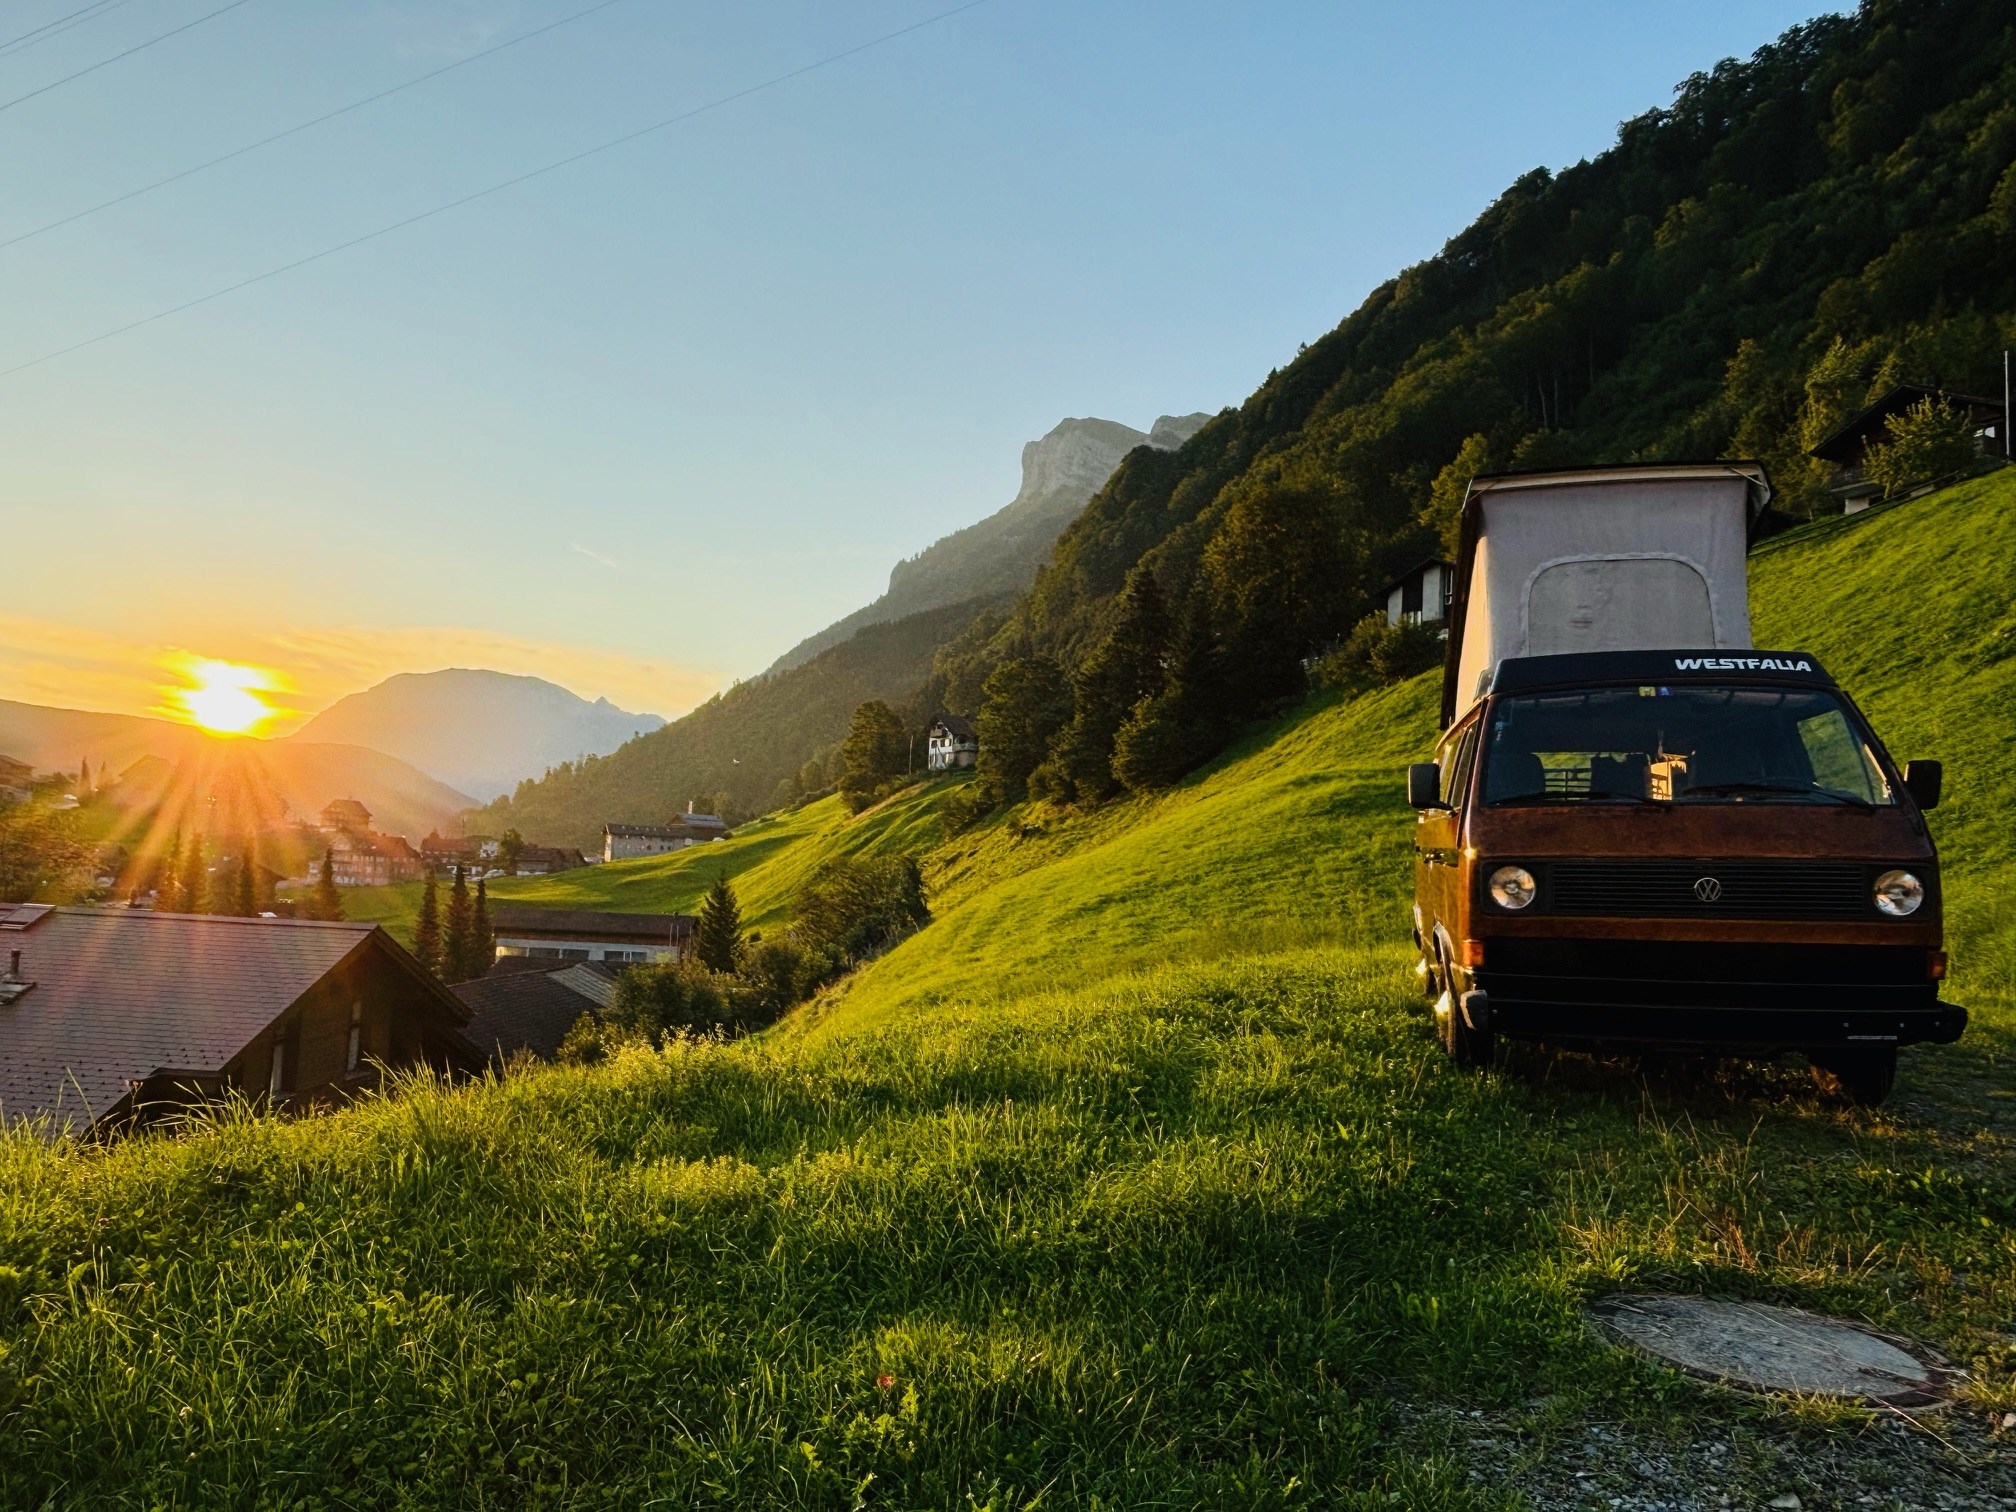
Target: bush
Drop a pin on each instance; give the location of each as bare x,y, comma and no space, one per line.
1376,654
1929,440
662,998
859,906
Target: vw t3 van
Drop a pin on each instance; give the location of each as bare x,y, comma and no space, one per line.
1688,844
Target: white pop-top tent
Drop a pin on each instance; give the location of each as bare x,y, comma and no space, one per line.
1628,558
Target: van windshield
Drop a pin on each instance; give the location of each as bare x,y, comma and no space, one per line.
1681,744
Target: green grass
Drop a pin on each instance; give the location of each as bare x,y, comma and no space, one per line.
1133,1180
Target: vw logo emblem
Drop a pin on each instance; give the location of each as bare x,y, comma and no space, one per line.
1708,889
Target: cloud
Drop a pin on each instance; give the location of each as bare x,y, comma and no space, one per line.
45,662
593,556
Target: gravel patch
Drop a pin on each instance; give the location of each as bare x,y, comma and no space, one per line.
1954,1461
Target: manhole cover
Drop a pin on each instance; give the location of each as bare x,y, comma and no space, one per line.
1764,1348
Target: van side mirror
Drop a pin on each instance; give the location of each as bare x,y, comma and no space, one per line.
1924,780
1424,786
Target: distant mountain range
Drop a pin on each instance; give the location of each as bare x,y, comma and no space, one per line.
236,780
1000,554
479,732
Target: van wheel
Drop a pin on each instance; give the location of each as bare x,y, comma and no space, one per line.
1465,1046
1860,1077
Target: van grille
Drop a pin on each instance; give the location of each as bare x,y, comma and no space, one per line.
1740,889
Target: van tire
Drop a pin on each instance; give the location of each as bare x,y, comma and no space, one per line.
1467,1047
1860,1077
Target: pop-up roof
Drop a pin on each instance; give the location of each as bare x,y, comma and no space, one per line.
1640,557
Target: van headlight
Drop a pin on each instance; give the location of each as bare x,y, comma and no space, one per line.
1513,887
1899,893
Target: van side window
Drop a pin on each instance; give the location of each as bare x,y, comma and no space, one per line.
1456,765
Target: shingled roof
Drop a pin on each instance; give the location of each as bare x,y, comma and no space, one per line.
526,920
122,995
531,1011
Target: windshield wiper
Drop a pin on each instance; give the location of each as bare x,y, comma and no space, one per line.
1811,791
1597,793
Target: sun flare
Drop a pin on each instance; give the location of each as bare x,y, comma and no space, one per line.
223,697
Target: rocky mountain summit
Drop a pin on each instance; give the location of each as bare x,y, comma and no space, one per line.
998,556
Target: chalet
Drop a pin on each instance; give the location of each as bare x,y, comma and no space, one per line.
346,814
119,1016
951,744
363,858
1848,447
544,860
1421,594
621,842
441,852
580,934
528,1012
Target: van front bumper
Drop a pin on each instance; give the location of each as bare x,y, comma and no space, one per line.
1704,995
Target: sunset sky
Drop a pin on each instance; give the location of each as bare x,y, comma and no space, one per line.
641,424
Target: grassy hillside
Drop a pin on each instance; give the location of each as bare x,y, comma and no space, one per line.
1135,1179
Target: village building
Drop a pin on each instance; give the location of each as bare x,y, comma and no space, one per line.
580,934
545,860
528,1012
1848,447
622,842
345,814
120,1016
367,859
1421,594
951,744
441,853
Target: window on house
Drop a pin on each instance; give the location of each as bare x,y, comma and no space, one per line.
353,1048
276,1078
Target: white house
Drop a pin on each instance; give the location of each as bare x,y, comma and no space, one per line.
952,744
1420,593
579,934
620,842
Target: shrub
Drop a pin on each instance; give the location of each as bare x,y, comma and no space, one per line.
859,906
1929,440
1376,653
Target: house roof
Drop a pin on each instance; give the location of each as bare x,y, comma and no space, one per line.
690,827
958,726
121,994
532,1011
1847,441
525,920
1419,567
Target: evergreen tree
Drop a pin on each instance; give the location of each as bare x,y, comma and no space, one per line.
1443,513
717,938
245,883
1281,572
328,901
482,937
1026,702
455,935
84,777
167,876
509,848
876,751
1126,668
427,927
194,883
1179,727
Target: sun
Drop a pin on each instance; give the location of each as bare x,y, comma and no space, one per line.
223,697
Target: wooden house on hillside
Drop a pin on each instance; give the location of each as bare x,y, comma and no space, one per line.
1421,593
952,744
1848,447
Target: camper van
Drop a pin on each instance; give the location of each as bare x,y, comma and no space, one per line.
1640,832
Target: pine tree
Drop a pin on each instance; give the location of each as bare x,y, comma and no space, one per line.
875,751
1126,668
328,901
718,936
1027,701
245,883
194,881
455,935
166,875
1179,727
482,938
84,777
427,928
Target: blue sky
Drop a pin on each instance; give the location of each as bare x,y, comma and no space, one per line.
643,423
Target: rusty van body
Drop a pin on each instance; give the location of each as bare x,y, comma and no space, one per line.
1698,846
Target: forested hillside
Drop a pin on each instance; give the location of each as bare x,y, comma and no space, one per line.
741,743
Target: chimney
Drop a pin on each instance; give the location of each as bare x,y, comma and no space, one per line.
12,987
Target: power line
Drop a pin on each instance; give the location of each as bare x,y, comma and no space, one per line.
61,24
496,188
120,199
138,47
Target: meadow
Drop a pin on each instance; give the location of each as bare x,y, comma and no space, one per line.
1133,1180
